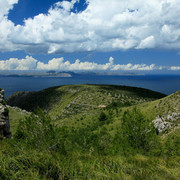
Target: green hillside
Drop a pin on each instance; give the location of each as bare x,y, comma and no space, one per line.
92,132
70,100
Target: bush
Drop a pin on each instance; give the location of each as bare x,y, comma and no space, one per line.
137,131
37,131
102,117
172,144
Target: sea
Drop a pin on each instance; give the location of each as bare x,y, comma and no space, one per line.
166,84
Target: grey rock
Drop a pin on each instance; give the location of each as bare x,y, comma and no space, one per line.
167,122
161,125
4,118
19,110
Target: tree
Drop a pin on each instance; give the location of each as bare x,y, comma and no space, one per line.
137,131
37,131
102,116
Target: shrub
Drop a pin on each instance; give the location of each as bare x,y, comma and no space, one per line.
102,116
137,131
172,144
37,131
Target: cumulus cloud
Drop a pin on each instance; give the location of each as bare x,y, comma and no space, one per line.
5,6
66,5
6,26
148,42
174,68
29,63
103,26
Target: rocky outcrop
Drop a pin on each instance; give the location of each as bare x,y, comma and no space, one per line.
168,113
22,111
4,118
164,123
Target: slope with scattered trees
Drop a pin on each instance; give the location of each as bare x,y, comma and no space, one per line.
118,141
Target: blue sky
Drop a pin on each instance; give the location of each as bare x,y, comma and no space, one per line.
90,35
29,8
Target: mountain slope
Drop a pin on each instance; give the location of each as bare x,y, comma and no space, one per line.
73,99
165,112
114,141
77,105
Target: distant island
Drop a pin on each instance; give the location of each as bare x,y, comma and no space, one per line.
53,73
38,74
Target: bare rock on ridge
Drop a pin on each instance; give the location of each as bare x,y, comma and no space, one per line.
4,118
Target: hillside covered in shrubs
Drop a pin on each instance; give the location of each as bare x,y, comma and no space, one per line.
92,132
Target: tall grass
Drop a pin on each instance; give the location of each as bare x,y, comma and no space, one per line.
41,150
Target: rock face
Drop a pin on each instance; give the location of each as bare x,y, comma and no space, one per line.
166,122
161,125
4,118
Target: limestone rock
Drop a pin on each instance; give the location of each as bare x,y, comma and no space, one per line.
166,122
161,125
4,118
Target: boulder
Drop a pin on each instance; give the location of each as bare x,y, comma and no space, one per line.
4,118
164,123
161,125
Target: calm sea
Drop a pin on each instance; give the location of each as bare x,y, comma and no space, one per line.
166,84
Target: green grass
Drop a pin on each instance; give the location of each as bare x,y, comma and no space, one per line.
33,165
14,117
84,94
66,102
73,154
109,143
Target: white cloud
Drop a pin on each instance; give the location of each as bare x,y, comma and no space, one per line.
148,42
5,6
104,26
6,26
66,5
29,63
174,68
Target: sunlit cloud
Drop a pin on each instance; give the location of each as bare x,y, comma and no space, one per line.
29,63
103,26
174,68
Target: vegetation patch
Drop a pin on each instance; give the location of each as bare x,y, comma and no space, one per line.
118,141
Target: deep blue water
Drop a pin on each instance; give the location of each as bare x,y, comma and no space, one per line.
166,84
